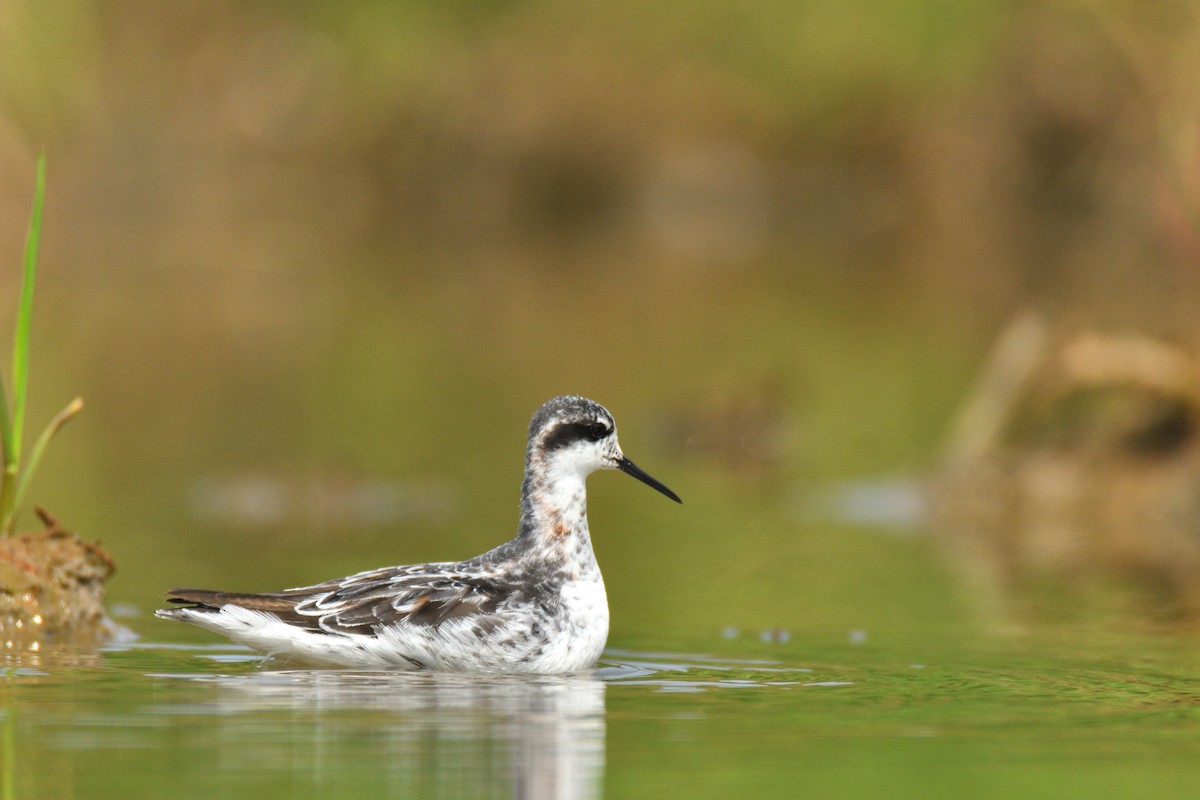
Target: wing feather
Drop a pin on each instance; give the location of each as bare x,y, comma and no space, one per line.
426,595
407,595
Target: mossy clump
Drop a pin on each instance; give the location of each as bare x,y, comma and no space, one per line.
52,589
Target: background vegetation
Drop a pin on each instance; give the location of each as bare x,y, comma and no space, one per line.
312,265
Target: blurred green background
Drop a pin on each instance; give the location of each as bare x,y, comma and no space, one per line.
312,265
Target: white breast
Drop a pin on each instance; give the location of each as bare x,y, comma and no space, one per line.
584,632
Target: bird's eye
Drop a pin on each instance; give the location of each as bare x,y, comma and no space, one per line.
596,431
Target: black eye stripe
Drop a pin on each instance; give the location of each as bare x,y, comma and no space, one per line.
567,434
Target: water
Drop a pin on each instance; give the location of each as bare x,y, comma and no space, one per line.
1004,718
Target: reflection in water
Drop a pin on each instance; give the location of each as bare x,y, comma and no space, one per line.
201,721
436,733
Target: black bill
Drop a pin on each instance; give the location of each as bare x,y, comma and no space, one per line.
630,468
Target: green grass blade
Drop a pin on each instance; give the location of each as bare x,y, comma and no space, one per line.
39,448
5,435
8,468
8,483
20,369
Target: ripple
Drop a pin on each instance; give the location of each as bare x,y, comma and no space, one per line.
693,672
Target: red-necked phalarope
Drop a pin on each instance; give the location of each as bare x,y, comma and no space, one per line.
533,604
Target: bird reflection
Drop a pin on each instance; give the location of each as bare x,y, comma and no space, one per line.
435,734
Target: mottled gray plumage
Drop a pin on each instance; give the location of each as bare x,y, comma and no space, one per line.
536,603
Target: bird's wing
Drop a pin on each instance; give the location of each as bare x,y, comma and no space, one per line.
425,595
421,595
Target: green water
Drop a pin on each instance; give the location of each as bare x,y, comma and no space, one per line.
758,648
1114,717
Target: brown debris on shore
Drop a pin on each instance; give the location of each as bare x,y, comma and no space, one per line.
52,589
1073,473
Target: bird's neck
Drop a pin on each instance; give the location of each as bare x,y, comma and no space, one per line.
554,517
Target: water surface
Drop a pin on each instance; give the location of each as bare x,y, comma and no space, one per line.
1119,718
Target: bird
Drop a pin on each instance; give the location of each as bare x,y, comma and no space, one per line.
534,604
